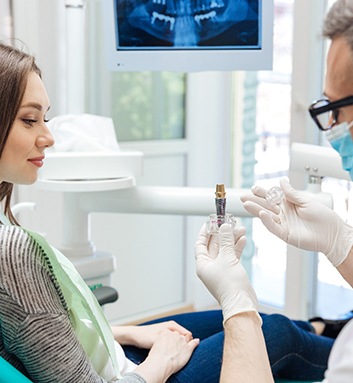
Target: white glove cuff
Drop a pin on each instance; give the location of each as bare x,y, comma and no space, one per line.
342,246
229,313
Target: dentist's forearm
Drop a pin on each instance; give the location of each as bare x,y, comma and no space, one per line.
346,268
245,358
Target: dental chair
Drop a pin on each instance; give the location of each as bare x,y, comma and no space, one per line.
9,374
104,294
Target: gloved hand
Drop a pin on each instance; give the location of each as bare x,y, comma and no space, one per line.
219,268
302,221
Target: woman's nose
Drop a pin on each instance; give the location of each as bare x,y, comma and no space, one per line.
46,139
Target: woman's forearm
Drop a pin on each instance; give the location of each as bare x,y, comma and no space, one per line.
153,371
124,335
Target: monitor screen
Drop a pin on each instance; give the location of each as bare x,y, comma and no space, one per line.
188,35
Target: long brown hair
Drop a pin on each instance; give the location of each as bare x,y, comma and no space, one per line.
15,66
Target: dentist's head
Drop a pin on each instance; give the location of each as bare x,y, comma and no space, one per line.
334,114
23,133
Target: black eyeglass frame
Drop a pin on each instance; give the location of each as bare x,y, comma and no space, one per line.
329,107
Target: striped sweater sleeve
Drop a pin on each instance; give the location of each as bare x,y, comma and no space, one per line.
36,335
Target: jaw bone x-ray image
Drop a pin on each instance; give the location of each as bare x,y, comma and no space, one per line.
188,23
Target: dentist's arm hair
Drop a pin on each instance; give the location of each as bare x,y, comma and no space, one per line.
218,265
245,357
346,268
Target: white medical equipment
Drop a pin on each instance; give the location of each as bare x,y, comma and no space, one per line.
119,194
140,38
115,194
79,174
316,162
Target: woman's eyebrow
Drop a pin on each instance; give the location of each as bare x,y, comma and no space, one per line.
33,105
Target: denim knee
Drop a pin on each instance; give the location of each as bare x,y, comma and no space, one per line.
281,335
294,350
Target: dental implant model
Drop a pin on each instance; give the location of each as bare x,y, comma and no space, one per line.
220,202
215,221
274,196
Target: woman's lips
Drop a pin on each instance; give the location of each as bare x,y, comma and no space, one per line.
38,161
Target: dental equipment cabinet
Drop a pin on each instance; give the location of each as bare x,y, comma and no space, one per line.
120,195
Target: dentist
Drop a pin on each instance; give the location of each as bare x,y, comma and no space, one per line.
298,220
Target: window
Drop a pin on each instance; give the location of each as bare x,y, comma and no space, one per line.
143,105
272,153
148,106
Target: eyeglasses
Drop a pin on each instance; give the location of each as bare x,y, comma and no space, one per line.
325,113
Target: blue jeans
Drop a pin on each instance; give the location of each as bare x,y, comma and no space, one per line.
295,352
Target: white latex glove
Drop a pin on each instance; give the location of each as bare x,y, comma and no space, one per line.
302,221
219,268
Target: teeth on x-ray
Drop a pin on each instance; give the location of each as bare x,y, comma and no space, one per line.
209,15
190,22
217,4
199,5
159,2
166,19
171,20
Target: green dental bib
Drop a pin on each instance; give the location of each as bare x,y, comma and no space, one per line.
90,325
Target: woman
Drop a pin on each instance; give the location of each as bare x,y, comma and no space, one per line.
51,328
37,324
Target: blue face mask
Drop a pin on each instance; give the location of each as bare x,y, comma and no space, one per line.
341,140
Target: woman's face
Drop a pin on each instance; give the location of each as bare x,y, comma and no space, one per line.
29,136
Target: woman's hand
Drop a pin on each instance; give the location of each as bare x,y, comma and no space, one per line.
145,336
170,352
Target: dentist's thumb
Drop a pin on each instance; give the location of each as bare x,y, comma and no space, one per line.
292,195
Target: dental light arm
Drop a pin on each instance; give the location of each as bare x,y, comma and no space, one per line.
317,161
134,200
161,200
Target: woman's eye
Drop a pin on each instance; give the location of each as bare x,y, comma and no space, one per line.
29,121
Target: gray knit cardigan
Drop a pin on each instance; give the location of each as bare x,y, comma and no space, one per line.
36,335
